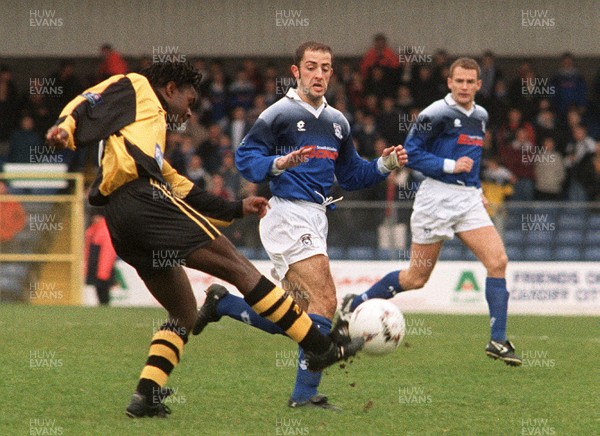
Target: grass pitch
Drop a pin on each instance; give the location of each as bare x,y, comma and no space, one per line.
72,371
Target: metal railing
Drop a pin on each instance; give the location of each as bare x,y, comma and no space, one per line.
381,229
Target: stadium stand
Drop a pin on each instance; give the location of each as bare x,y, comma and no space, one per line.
574,233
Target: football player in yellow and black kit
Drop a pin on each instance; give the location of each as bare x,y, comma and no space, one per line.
159,221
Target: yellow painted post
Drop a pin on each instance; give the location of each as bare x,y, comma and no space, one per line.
77,241
74,255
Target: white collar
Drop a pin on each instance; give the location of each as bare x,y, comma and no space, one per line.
293,94
448,99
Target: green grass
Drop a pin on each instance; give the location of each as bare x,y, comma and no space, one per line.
230,381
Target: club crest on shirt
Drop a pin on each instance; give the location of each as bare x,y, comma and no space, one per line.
337,130
306,240
300,124
158,156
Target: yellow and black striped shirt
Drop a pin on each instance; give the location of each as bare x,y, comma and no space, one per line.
125,113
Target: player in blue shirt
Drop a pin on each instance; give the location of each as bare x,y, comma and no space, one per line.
445,144
301,145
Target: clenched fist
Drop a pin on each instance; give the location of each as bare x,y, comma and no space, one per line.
57,137
463,165
255,205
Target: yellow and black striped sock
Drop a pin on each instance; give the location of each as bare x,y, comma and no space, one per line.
272,302
165,352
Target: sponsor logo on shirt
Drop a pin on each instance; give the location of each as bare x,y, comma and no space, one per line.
318,152
465,139
300,124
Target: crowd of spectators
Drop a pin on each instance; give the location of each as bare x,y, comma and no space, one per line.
542,141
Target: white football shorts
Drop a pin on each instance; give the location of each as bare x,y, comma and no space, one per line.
441,210
293,230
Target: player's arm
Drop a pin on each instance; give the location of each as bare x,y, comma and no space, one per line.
254,158
421,135
219,211
258,158
353,172
96,114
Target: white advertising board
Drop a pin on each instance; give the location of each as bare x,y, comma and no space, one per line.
552,288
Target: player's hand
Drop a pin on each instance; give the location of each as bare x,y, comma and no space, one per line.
394,157
293,159
57,137
463,165
255,205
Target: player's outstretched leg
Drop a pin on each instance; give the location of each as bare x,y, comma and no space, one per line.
385,288
423,258
219,302
220,259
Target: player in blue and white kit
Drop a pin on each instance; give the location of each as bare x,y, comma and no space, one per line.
445,144
301,145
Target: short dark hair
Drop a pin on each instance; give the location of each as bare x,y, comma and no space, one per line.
310,46
467,64
182,73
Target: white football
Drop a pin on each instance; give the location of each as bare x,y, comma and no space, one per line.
380,323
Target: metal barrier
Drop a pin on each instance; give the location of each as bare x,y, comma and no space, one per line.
532,231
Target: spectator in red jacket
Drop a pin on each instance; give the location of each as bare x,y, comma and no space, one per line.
112,63
379,55
100,258
508,131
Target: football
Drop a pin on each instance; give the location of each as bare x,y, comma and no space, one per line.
380,323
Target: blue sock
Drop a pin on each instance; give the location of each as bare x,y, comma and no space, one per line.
497,298
307,381
385,288
237,308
